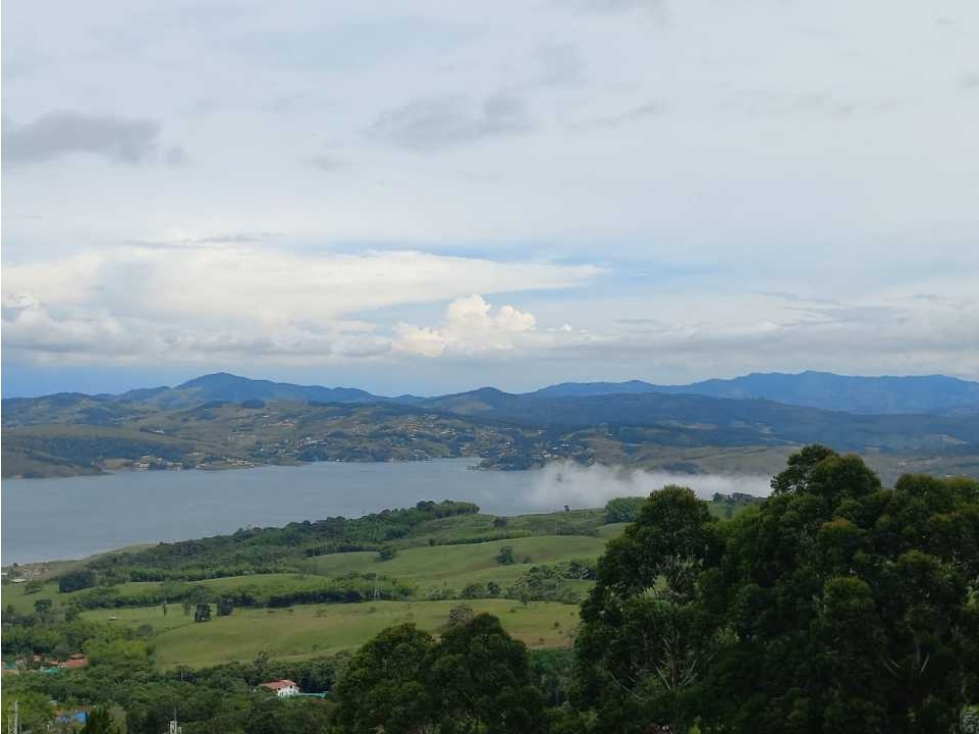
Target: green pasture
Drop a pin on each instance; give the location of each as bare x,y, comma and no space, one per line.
323,629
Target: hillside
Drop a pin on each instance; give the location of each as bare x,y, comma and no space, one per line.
333,584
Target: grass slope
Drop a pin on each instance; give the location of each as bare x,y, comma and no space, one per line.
308,631
458,565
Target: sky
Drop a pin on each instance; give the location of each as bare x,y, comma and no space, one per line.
432,196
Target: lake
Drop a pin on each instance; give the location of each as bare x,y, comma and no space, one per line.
56,519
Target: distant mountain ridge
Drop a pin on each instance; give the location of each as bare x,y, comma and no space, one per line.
926,395
223,420
886,395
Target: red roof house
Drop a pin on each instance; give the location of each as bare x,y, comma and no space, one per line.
282,688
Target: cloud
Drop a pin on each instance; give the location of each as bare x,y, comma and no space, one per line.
659,9
328,163
970,82
83,336
472,328
28,324
58,134
436,123
606,122
221,239
561,66
177,157
187,301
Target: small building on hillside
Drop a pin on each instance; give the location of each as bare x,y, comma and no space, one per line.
282,688
75,661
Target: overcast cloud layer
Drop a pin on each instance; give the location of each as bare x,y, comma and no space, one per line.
424,196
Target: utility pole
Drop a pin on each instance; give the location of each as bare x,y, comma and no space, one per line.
13,721
174,726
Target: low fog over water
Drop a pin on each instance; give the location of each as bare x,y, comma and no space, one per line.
567,483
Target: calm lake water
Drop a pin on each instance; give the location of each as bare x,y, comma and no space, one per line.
57,519
52,519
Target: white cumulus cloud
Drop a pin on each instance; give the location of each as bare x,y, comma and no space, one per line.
471,327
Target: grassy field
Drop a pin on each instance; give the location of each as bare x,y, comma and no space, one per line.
323,629
450,530
16,595
457,565
427,567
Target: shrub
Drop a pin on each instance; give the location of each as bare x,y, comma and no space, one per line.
505,557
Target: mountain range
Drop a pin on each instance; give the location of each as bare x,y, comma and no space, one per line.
223,420
825,390
929,394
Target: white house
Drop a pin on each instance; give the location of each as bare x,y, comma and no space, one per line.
282,688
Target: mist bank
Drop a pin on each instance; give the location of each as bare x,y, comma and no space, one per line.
567,483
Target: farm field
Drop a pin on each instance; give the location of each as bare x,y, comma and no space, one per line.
323,629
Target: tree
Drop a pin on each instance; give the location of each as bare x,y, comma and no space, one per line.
581,569
387,552
474,591
623,509
836,606
33,709
484,681
646,637
202,613
76,580
387,685
42,608
476,679
99,721
459,615
505,557
225,606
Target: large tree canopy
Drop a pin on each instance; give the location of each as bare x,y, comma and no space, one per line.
475,680
834,606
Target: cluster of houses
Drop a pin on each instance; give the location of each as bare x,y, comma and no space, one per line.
44,665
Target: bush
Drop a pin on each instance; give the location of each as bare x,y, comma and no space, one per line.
474,591
505,557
